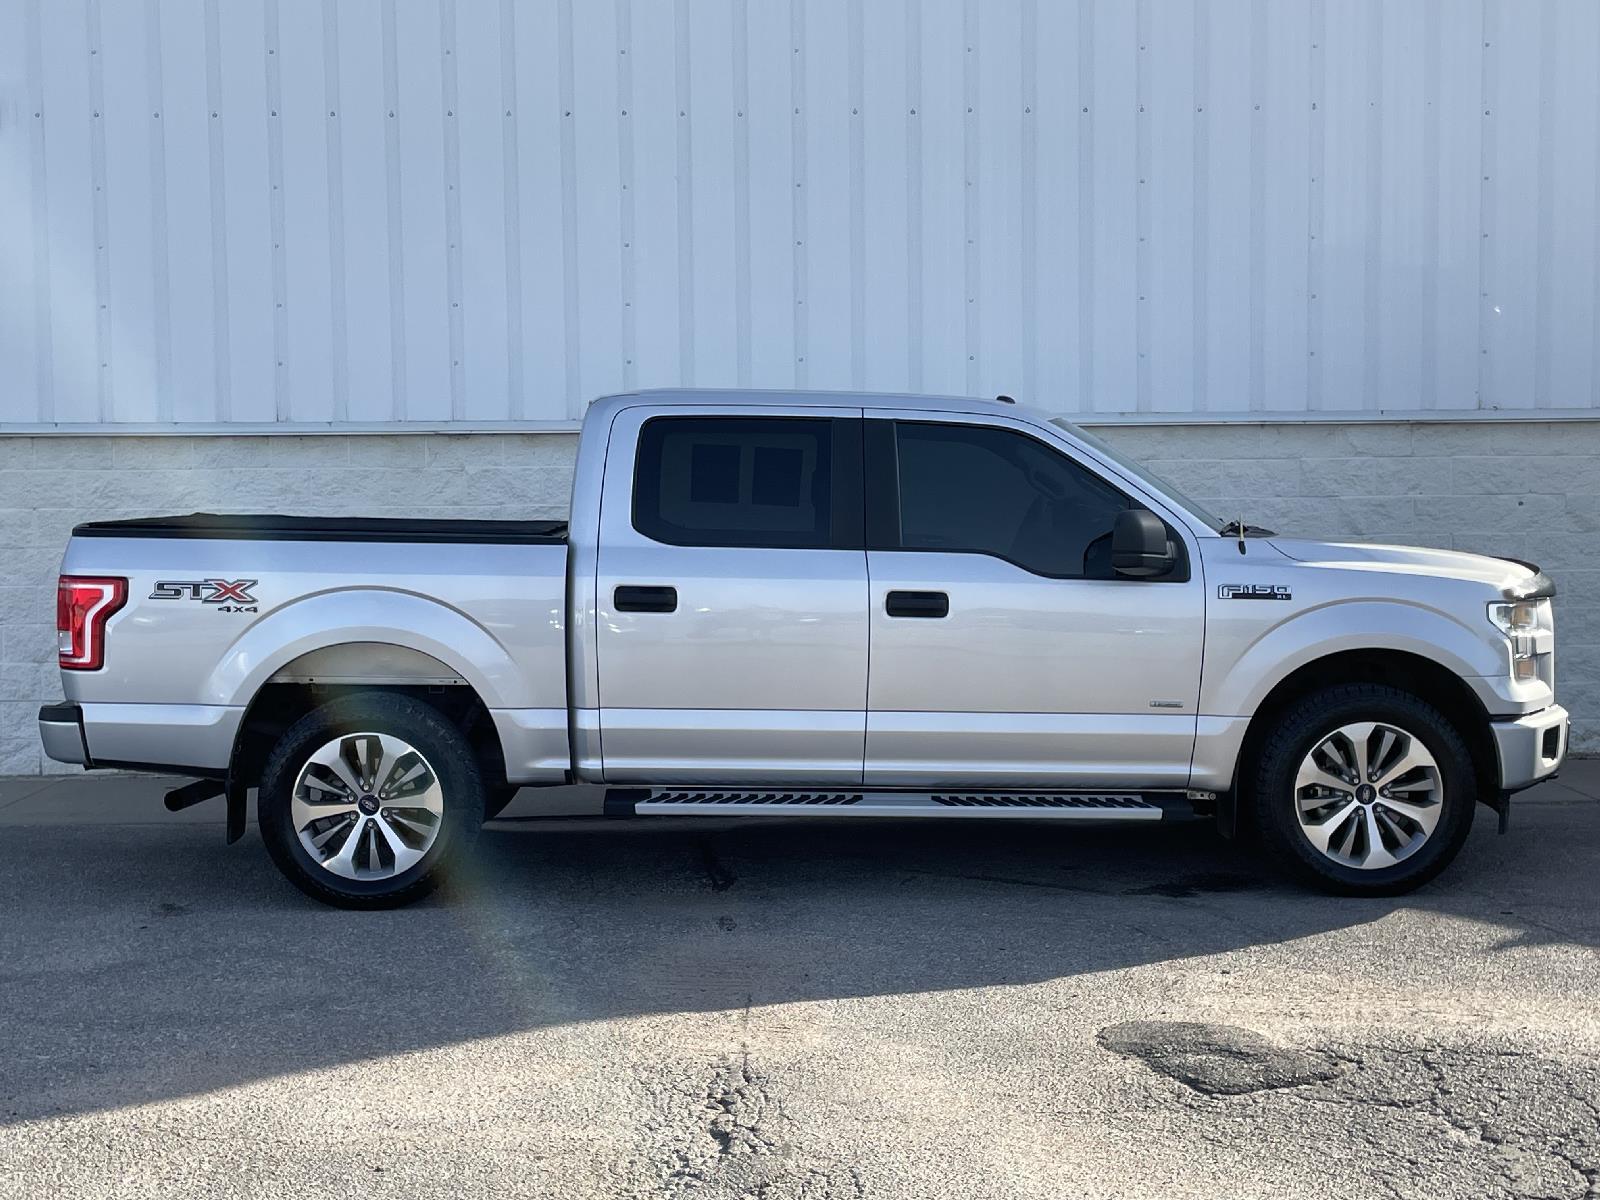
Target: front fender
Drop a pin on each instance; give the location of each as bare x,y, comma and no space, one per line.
366,615
1240,672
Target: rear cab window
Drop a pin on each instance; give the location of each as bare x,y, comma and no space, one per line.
771,482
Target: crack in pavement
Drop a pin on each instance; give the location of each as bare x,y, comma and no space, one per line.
737,1101
726,1135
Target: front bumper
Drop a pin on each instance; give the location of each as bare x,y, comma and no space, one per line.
61,731
1531,747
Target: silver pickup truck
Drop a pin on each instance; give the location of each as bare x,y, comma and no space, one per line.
811,605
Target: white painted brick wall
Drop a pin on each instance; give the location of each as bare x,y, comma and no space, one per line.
1526,490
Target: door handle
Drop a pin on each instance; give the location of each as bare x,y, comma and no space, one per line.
629,598
917,604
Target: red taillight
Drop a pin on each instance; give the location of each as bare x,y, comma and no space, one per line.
83,605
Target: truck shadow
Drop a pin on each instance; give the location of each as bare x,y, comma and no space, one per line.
143,963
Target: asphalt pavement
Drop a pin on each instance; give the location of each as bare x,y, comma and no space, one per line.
792,1011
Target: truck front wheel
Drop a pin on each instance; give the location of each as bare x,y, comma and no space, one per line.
1363,789
367,801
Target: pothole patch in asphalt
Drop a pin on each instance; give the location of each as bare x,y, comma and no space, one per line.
1218,1059
1514,1123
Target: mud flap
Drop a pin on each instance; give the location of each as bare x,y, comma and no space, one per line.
1501,803
236,811
1225,811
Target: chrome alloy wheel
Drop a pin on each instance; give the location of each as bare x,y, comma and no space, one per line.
367,806
1368,795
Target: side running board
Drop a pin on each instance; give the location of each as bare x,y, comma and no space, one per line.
1046,806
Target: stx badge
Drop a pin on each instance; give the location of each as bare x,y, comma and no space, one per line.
1254,591
228,596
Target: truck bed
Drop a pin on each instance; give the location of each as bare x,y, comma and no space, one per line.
282,528
219,606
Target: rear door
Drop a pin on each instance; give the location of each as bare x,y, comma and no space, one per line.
731,642
1005,651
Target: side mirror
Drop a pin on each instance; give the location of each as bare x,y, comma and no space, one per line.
1139,545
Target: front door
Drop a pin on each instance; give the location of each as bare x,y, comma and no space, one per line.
732,598
1005,652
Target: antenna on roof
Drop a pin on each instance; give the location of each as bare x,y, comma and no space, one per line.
1005,399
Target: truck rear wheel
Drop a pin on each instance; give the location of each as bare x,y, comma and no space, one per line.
1363,789
369,800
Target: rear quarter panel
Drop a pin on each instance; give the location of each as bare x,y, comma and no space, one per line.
493,614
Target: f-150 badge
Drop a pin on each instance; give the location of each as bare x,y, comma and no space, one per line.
228,596
1254,591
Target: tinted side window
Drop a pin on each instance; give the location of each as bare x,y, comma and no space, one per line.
735,481
996,491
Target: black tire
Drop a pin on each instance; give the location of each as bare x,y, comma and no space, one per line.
433,736
1303,725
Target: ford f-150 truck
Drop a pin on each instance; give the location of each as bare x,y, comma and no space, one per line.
811,605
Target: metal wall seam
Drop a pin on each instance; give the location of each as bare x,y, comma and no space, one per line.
798,219
1201,237
1141,224
858,200
1545,207
452,207
1258,203
104,380
1028,196
511,183
1594,291
741,191
971,270
1086,314
333,141
43,293
161,286
222,334
570,267
1487,160
914,127
395,214
1372,335
683,91
275,200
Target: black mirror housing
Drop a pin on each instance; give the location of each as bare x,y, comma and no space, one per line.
1140,548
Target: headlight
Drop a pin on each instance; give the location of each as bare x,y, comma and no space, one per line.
1521,616
1522,622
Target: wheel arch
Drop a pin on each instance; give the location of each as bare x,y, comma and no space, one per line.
381,617
1417,674
306,684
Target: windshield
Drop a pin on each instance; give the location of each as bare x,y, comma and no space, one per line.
1143,474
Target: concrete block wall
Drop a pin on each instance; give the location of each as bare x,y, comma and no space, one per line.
1526,490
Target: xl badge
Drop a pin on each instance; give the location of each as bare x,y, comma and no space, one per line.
228,596
1254,591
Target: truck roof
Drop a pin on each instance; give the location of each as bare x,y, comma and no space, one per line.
793,397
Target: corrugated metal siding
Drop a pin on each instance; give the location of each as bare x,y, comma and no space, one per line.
435,210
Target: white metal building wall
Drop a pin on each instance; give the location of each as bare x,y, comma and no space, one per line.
299,211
